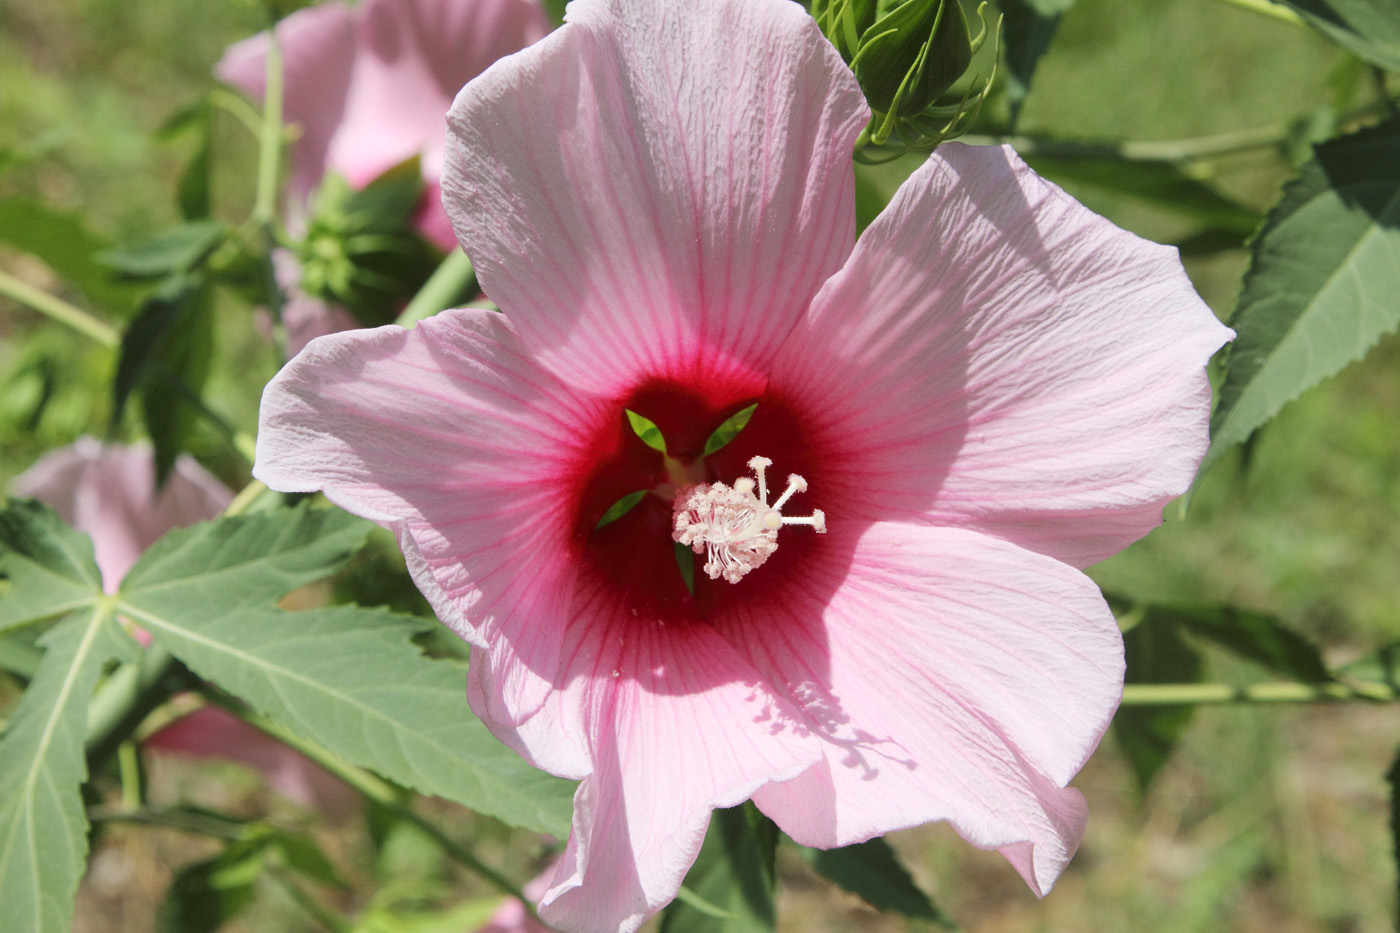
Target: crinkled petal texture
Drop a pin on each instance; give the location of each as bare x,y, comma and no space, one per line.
108,491
950,675
996,356
370,86
657,190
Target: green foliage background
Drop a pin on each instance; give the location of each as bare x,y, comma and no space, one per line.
1263,819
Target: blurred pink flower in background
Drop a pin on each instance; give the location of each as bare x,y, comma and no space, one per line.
993,388
367,87
108,492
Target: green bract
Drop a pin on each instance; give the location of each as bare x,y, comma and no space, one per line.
906,54
360,250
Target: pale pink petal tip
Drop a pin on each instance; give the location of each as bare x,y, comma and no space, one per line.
987,682
1019,364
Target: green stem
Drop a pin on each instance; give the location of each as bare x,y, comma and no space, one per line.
239,108
202,824
452,278
128,696
1268,8
370,786
59,310
1280,692
270,141
324,915
1172,150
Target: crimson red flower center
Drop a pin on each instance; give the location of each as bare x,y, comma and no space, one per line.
635,555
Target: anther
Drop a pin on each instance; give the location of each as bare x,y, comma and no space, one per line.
795,484
735,529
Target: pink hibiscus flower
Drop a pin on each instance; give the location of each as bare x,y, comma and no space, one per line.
992,388
108,493
368,87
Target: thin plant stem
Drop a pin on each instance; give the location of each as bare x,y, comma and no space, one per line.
59,310
1269,8
239,108
1279,692
246,497
270,138
370,786
1192,149
1173,150
320,912
199,823
452,277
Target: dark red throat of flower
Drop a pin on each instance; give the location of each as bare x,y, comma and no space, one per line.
636,555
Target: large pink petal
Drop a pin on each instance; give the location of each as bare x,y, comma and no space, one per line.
452,437
676,724
953,676
646,203
318,54
996,356
109,493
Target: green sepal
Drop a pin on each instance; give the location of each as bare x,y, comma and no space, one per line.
360,250
913,52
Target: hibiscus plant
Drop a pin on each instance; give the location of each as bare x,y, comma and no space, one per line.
642,425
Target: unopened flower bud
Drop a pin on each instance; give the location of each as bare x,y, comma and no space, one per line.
905,53
360,249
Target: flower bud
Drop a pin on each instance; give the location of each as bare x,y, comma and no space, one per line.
905,54
360,250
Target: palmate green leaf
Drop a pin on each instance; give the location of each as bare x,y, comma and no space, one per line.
1321,285
346,678
46,568
729,889
43,829
872,872
1369,28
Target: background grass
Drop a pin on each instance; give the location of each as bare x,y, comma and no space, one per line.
1266,819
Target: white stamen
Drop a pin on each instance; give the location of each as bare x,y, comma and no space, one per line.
758,464
795,484
736,530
